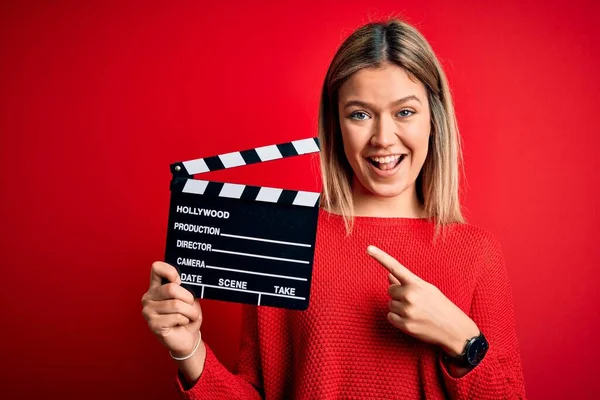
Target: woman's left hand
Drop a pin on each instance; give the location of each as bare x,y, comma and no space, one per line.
421,309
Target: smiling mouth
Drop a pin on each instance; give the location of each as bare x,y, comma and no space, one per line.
386,163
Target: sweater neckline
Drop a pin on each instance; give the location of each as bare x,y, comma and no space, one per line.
379,221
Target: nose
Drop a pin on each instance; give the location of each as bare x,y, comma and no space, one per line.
384,134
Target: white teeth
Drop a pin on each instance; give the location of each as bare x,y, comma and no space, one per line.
385,160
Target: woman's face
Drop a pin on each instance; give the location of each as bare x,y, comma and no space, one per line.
385,123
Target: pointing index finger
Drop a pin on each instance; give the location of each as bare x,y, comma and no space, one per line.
399,271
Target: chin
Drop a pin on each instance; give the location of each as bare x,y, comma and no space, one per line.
389,192
382,190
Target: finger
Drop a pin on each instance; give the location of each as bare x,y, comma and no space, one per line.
393,279
397,321
160,322
397,307
162,270
397,292
176,306
172,291
399,271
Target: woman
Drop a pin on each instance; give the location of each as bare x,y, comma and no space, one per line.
407,300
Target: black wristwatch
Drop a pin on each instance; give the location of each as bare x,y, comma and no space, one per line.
473,353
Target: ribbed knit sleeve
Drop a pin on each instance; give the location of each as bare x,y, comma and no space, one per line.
499,375
217,382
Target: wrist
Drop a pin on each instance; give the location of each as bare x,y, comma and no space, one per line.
189,351
455,345
473,353
192,368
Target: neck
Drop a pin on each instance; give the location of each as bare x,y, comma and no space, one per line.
404,205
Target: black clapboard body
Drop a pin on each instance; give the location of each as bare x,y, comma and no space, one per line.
240,243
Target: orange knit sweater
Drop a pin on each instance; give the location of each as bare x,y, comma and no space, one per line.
343,346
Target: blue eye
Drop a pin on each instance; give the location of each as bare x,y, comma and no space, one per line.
410,111
356,113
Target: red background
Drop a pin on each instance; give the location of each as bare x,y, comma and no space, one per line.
98,99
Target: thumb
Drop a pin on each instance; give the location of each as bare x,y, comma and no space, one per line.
162,273
196,306
393,280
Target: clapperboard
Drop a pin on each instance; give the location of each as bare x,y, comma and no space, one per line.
240,243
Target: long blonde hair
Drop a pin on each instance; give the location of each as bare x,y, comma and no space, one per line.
397,42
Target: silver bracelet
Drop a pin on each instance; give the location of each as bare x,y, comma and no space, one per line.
191,354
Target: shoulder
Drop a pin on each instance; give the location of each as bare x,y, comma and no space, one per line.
469,234
475,240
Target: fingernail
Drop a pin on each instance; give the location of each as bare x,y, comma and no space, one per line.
371,249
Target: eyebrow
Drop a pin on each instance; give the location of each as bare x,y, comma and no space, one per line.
393,103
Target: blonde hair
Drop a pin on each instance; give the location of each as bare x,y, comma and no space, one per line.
396,42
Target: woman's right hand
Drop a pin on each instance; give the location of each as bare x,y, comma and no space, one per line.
173,314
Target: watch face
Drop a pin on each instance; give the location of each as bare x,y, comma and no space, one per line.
477,350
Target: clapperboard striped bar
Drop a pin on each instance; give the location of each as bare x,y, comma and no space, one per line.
246,157
241,243
246,192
